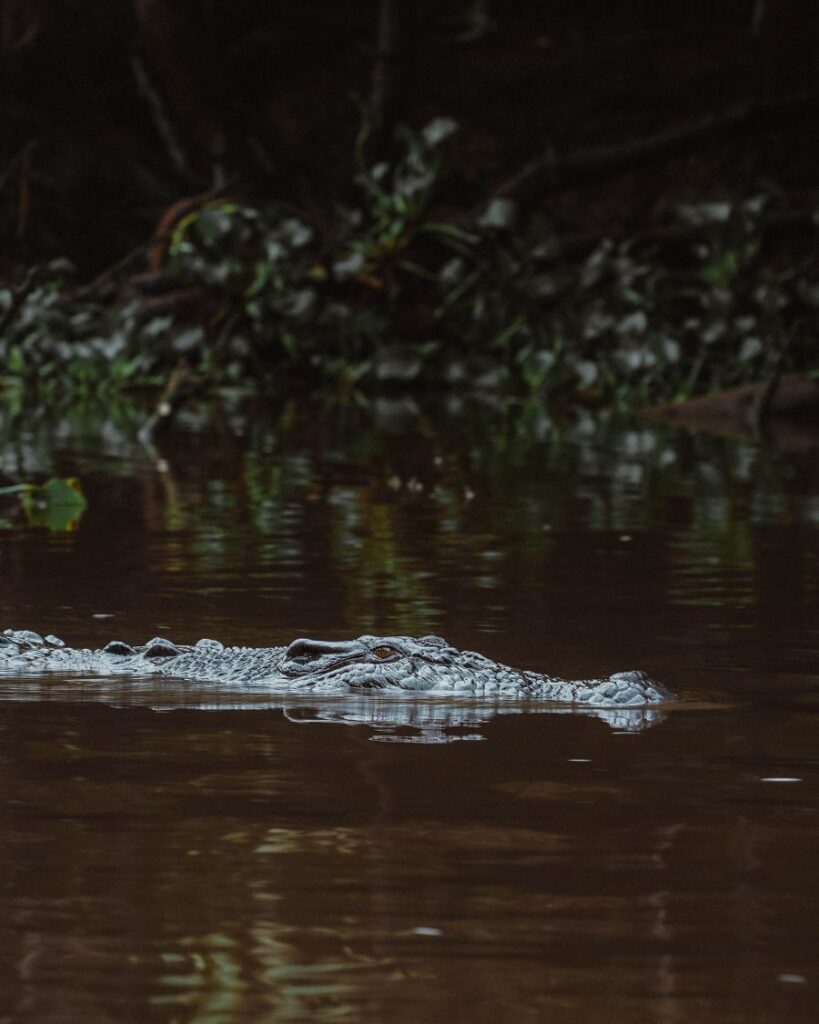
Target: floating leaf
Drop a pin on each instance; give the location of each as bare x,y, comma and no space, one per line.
57,504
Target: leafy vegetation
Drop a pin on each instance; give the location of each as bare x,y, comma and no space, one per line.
392,291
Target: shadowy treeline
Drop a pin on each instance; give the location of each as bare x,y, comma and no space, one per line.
122,122
111,112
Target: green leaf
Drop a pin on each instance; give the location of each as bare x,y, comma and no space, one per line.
57,504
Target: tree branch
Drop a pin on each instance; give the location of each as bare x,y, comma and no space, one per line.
164,125
551,173
385,87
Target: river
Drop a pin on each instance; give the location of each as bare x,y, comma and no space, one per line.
177,853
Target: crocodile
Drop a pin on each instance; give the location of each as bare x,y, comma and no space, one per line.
388,665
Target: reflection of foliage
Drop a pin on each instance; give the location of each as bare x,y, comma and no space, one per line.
318,496
375,564
387,290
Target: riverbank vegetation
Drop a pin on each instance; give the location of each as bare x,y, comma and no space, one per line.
542,227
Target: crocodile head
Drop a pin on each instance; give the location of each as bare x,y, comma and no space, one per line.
371,662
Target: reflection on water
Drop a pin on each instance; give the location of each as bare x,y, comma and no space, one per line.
173,853
404,718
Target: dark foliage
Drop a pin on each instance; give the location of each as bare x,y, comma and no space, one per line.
626,211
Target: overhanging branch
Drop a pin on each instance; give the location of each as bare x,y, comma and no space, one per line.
551,173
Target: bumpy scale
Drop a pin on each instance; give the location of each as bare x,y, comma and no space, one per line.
426,665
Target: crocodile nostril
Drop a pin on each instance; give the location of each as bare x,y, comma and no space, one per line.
300,650
304,650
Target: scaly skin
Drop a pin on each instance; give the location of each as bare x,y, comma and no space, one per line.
426,665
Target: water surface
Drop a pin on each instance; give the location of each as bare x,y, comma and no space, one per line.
174,853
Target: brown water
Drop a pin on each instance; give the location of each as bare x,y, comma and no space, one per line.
173,853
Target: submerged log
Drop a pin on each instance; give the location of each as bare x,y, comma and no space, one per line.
786,410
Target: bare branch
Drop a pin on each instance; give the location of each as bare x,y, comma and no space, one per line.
162,120
551,173
385,88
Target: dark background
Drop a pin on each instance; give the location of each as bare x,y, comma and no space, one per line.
112,112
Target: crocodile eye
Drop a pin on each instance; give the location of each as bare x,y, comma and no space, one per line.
382,653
